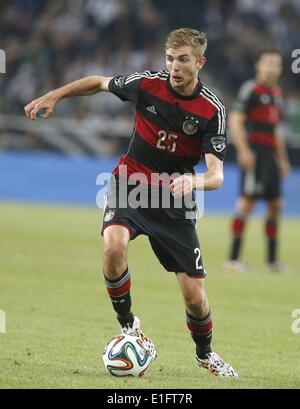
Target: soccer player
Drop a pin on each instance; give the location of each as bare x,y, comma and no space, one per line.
177,120
254,123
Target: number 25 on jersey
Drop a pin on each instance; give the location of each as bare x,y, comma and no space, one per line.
166,141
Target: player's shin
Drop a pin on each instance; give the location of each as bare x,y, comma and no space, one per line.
119,292
201,332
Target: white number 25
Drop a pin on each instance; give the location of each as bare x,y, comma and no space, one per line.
163,135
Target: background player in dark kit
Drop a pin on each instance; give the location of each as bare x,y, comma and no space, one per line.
255,128
177,120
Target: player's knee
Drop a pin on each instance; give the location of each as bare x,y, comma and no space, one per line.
275,209
278,206
115,252
196,302
245,205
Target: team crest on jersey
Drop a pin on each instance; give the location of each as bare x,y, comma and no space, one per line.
109,215
219,143
190,126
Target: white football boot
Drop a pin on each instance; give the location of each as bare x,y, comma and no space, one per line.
216,365
236,266
277,267
135,330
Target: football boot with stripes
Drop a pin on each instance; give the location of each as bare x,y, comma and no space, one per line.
214,364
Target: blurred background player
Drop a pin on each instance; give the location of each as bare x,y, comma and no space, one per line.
254,125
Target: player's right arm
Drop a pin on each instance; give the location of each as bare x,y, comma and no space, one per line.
237,125
84,86
238,132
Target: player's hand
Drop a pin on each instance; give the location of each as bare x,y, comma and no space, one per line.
182,185
246,160
45,103
285,168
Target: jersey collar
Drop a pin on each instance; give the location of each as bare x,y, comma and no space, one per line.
177,95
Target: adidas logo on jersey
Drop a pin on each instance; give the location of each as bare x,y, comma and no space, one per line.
152,109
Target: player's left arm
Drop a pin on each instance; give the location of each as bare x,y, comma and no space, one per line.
210,180
281,150
213,178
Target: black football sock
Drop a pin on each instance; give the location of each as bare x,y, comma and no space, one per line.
201,332
235,248
119,292
237,229
272,250
271,228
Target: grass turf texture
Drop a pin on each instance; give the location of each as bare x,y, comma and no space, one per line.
59,316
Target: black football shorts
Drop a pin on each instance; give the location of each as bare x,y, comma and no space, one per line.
264,182
172,236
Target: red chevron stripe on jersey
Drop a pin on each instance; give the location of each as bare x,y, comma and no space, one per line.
199,106
264,89
132,167
263,139
269,114
127,167
185,145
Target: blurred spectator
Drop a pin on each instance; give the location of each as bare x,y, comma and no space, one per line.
51,42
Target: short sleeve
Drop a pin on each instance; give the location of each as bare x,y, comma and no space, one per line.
214,140
126,87
243,98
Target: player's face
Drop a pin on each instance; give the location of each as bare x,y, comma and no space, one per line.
183,67
269,68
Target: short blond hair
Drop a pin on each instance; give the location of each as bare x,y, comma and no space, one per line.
187,36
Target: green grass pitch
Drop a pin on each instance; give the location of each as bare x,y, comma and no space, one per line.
59,316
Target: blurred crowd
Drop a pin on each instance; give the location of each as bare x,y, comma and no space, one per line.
51,42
